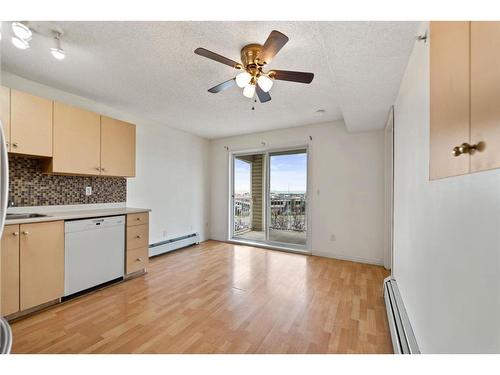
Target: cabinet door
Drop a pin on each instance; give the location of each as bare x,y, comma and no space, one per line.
31,124
77,141
117,148
449,97
41,263
485,94
5,112
10,270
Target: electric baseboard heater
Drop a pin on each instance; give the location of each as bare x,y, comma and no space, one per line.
173,244
403,339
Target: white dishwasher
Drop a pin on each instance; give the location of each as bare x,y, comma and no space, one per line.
94,252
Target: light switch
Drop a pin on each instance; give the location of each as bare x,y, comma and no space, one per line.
88,190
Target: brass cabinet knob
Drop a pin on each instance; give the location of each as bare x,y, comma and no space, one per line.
138,259
138,236
466,148
15,233
25,232
15,144
97,168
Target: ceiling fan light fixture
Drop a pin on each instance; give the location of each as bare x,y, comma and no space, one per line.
243,79
20,43
249,91
265,83
21,31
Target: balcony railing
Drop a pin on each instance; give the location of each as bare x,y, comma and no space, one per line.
287,213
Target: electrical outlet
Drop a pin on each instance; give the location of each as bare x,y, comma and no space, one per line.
88,190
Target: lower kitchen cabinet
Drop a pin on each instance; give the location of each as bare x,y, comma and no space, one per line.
137,247
41,277
10,270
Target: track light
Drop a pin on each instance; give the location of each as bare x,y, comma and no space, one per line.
21,31
20,43
57,51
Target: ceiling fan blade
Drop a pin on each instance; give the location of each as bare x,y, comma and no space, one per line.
275,41
262,95
289,75
216,57
222,86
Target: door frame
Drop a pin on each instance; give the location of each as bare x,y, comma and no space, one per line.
303,249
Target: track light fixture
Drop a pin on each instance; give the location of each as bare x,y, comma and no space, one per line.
23,34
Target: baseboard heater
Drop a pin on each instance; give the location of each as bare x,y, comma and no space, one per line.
173,244
403,339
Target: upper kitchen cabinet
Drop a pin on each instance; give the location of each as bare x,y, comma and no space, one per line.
117,148
449,97
464,97
485,94
31,124
5,112
76,141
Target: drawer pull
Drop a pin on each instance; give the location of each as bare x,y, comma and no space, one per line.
15,144
138,219
138,260
15,233
138,236
25,232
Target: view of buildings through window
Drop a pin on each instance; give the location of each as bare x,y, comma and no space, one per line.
288,186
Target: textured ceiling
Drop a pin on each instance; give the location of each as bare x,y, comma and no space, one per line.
149,69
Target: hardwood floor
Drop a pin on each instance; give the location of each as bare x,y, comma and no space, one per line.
222,298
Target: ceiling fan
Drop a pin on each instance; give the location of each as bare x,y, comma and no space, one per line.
254,57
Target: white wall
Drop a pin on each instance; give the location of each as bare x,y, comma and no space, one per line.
172,167
447,234
347,187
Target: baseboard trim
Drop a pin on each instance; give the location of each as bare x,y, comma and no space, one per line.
375,262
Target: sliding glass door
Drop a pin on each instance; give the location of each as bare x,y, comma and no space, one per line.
269,198
288,197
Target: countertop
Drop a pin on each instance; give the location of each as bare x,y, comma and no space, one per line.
76,214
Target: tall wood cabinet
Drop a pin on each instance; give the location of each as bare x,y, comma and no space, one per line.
31,124
464,97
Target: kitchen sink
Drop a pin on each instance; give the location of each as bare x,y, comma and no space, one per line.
23,216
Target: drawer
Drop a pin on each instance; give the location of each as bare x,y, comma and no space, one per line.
137,236
137,259
137,219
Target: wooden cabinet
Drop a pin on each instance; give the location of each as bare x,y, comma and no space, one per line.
464,97
137,246
76,141
449,97
10,270
485,94
5,112
41,263
71,140
117,148
31,124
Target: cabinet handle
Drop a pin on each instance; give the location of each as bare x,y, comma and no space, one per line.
138,259
138,218
103,169
25,232
14,144
97,168
138,236
15,233
466,148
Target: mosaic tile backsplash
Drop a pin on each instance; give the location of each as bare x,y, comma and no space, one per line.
29,187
